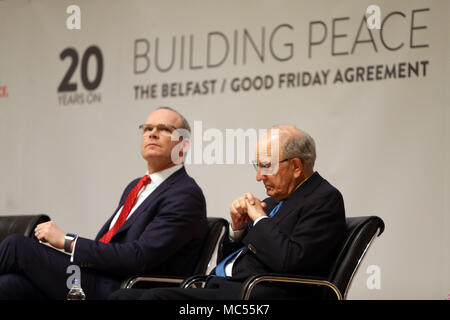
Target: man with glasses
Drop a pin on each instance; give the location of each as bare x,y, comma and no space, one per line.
296,230
158,228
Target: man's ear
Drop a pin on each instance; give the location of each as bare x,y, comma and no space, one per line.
186,145
298,167
182,146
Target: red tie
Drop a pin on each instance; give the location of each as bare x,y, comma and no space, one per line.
129,203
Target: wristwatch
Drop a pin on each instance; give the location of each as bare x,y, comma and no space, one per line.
68,239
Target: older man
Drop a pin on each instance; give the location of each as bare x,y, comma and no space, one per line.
297,230
158,227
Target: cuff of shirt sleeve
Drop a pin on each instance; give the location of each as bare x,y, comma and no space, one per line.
73,251
259,219
235,235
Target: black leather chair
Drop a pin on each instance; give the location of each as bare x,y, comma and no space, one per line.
20,225
217,230
361,231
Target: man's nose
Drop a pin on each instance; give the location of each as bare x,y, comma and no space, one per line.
259,176
154,133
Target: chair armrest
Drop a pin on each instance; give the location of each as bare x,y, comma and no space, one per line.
19,224
167,280
252,281
194,281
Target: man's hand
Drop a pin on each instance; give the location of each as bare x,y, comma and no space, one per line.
51,233
238,214
239,211
255,207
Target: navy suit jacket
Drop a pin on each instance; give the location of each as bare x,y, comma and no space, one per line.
163,236
302,238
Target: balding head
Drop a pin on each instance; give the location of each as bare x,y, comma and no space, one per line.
285,158
295,143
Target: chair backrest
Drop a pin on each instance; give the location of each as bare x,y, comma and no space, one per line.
217,228
20,225
361,231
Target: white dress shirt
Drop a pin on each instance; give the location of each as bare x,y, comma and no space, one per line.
156,179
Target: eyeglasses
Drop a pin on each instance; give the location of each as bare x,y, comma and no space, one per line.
266,165
163,129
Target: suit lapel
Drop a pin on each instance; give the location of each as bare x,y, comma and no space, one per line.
107,224
295,200
150,200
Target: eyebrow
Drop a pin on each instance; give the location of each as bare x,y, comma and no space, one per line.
158,124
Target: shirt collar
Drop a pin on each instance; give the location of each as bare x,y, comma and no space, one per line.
158,177
301,184
298,186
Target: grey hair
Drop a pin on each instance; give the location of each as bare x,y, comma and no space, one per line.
184,123
298,144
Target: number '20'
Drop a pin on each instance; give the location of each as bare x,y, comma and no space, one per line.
88,84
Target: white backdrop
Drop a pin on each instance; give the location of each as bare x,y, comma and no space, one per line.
382,137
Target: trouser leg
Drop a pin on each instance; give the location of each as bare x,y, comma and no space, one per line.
17,287
42,267
46,270
216,289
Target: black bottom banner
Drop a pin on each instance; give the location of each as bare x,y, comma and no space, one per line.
229,309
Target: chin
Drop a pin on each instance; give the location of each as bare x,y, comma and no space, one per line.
151,155
272,193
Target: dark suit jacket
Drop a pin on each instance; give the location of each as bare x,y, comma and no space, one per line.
163,236
302,238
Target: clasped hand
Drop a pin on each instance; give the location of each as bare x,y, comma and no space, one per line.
244,209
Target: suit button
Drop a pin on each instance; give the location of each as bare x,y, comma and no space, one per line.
252,248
